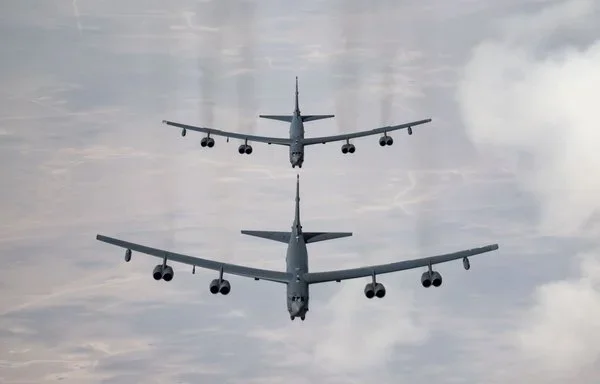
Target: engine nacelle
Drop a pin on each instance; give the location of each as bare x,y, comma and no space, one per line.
369,291
128,255
207,142
379,290
183,131
241,149
410,130
214,286
248,149
348,148
466,263
158,271
436,279
426,279
168,273
385,140
225,287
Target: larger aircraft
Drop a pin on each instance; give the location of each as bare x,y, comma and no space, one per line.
297,277
296,140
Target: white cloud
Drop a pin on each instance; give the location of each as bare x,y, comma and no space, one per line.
515,96
72,309
511,97
561,331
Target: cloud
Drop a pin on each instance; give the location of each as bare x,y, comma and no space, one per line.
561,330
73,310
511,97
533,96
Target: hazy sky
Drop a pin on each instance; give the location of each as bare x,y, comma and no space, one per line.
511,157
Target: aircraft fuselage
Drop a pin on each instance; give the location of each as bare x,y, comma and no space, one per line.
297,264
296,137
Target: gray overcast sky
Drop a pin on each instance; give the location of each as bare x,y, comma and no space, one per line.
510,157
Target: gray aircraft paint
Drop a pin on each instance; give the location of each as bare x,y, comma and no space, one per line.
297,277
297,264
296,135
296,140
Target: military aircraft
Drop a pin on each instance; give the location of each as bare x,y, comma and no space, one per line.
296,141
297,278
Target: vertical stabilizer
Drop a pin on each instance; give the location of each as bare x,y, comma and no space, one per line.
297,225
297,106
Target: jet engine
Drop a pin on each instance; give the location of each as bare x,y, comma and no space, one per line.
245,148
379,290
214,286
158,272
348,148
385,140
183,132
369,291
426,279
207,142
225,287
436,279
128,255
168,273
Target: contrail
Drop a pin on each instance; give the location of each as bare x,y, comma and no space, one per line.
76,13
219,17
209,59
387,54
346,67
245,36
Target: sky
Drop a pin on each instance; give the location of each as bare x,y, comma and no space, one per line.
509,158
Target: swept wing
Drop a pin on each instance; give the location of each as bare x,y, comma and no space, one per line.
233,269
376,131
346,274
235,135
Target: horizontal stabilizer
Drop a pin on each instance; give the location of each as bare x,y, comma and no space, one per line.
316,117
313,237
283,237
287,118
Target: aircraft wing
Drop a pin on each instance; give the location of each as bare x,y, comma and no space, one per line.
346,136
243,136
239,270
346,274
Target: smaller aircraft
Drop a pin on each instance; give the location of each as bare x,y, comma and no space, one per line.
296,140
296,278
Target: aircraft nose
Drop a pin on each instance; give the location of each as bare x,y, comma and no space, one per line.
296,308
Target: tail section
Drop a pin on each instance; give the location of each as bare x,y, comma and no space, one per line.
297,106
313,237
316,117
288,118
282,237
309,237
297,224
